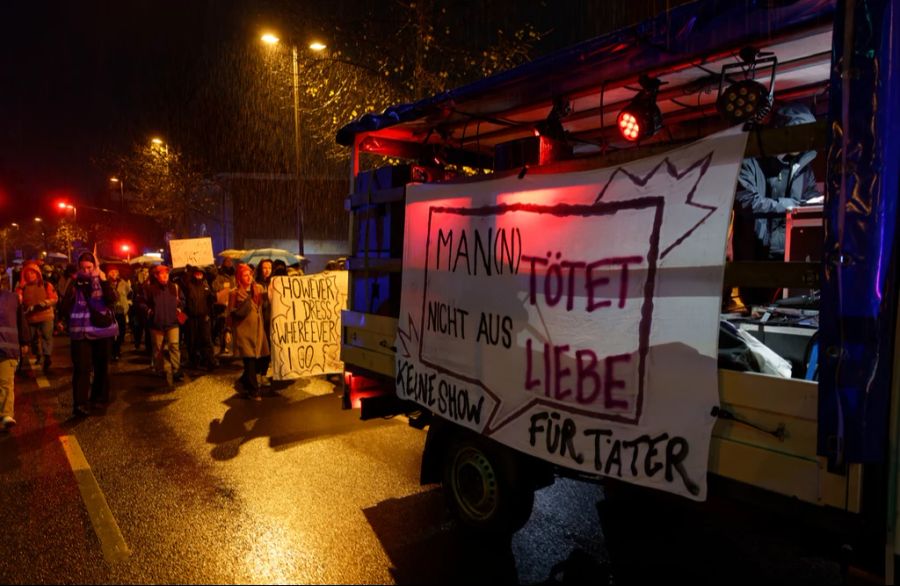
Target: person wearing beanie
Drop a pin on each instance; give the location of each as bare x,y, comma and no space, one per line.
163,301
86,305
38,300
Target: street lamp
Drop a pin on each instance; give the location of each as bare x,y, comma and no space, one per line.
40,222
121,192
63,206
315,46
5,236
160,143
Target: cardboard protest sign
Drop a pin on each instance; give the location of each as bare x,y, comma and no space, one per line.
306,324
197,252
574,316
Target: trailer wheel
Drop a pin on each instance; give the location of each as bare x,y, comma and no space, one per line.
482,486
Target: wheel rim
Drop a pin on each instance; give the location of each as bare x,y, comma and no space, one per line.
474,484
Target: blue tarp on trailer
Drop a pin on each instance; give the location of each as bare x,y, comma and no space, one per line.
859,291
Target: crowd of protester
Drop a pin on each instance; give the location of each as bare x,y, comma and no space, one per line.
176,319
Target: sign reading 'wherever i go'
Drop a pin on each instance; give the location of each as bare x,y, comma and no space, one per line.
306,324
574,316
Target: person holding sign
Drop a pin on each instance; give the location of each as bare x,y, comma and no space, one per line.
245,312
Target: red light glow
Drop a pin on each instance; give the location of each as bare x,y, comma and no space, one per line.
629,126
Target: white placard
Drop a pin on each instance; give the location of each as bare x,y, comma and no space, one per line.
574,316
196,252
306,324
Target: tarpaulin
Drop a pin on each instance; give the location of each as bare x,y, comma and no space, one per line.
859,292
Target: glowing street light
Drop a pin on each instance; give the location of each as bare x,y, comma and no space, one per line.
271,39
63,205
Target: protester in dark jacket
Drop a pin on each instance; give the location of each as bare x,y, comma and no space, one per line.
199,301
163,300
768,187
90,341
12,337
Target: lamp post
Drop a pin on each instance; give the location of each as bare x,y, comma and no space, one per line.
121,185
5,236
62,206
40,222
315,46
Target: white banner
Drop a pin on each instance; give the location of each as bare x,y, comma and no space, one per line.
306,324
574,316
196,252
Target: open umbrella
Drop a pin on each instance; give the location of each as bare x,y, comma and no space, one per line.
233,253
256,255
153,260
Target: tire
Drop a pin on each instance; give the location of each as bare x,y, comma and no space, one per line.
484,487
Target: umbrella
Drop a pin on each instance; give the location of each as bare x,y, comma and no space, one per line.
154,260
233,253
253,257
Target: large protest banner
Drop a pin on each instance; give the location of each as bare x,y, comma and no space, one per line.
196,252
575,316
306,324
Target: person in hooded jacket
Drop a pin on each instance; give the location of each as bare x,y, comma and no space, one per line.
199,300
90,342
163,300
245,312
769,187
38,299
140,332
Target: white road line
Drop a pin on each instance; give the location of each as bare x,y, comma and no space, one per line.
111,541
39,378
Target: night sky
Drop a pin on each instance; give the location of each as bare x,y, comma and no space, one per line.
81,81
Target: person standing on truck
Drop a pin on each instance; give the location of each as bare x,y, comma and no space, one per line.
245,312
768,188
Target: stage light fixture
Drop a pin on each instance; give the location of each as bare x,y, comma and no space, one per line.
641,117
747,100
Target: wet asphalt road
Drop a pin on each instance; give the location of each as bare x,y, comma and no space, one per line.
204,487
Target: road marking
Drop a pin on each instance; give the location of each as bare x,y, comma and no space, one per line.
111,541
39,378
